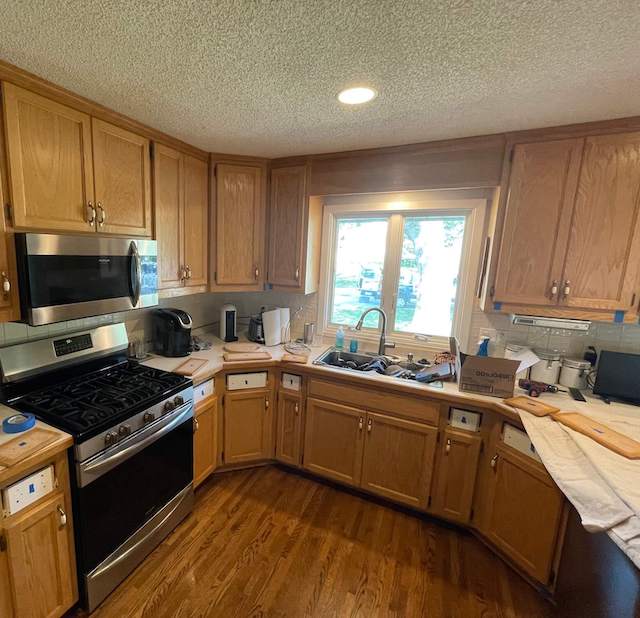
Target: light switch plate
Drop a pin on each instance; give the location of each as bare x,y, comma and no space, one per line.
26,491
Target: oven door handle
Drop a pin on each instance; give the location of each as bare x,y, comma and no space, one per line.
135,274
107,461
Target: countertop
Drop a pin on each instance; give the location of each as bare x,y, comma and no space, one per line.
61,443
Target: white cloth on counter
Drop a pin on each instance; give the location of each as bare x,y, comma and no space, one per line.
603,486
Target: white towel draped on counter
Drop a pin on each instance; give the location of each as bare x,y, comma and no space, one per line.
603,486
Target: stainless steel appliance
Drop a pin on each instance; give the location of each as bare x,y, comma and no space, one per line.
132,460
256,329
69,277
172,332
228,323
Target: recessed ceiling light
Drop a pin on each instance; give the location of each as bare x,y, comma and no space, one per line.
356,96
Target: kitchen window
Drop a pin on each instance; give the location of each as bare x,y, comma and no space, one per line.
416,256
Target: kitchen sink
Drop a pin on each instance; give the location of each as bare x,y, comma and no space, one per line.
365,361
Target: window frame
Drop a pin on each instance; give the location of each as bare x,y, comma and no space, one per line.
473,204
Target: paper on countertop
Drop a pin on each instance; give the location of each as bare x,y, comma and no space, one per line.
526,356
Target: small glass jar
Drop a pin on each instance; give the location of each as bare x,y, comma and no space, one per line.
547,368
574,373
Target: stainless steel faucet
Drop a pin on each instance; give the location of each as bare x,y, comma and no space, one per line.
383,334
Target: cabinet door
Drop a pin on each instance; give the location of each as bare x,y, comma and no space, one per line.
604,245
121,164
287,215
239,225
334,440
457,468
398,459
246,426
524,512
538,209
50,166
288,428
168,184
6,591
204,440
38,551
196,220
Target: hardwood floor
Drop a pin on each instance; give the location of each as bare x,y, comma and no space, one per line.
265,542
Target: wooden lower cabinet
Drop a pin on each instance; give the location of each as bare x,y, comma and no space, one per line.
247,426
334,440
523,512
289,426
205,439
398,459
39,556
6,594
456,476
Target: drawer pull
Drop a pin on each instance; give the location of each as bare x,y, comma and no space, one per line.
63,517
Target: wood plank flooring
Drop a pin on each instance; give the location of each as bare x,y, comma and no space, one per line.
265,542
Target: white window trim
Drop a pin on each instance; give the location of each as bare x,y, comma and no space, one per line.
473,204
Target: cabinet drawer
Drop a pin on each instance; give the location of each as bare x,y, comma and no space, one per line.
415,408
291,381
202,391
465,420
241,381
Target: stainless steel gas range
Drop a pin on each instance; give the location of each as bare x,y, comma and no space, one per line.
132,461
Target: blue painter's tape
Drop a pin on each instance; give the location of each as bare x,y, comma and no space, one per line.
497,306
18,422
618,317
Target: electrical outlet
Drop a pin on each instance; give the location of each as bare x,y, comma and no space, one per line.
28,490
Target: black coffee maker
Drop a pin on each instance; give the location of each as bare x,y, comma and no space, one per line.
171,332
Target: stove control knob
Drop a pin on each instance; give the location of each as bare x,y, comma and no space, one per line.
179,400
124,431
148,417
169,406
110,438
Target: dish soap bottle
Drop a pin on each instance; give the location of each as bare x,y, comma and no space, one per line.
340,338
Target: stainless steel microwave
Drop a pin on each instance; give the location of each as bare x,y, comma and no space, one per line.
69,277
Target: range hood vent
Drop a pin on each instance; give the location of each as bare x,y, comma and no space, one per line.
566,324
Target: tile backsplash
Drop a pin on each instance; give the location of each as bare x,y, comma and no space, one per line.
601,335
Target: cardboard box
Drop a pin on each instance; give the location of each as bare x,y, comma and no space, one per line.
487,375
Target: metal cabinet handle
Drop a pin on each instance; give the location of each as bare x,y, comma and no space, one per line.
63,517
188,272
6,284
360,423
91,214
494,461
196,425
296,409
257,272
369,425
297,273
567,288
554,289
266,404
103,215
447,448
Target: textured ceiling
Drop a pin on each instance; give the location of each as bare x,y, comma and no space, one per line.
261,76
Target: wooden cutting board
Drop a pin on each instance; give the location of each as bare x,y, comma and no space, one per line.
240,346
232,357
25,444
190,366
611,439
294,358
529,404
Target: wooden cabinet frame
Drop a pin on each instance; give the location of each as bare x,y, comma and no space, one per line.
289,424
205,439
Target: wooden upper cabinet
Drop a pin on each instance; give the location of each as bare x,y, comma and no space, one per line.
524,512
457,468
239,226
168,180
334,440
40,558
287,210
398,459
196,221
122,166
537,219
49,160
603,256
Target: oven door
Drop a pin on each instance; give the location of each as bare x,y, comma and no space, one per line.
129,498
69,277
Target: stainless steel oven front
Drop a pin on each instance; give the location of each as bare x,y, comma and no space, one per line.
68,277
128,498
